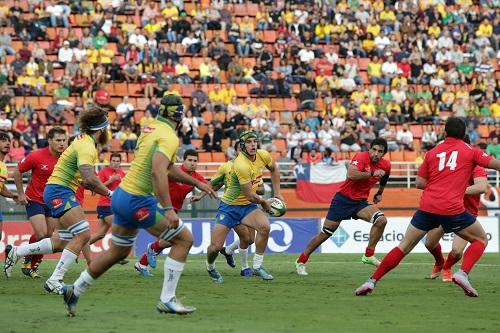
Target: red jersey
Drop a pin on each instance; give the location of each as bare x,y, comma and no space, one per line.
179,191
448,168
80,194
360,189
104,175
41,162
471,202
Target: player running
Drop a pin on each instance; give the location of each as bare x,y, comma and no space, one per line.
178,192
4,191
75,166
365,170
444,176
478,184
239,206
41,163
143,201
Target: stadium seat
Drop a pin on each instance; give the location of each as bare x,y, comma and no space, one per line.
204,157
218,157
397,156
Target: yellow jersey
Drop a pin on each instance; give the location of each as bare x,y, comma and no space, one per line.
82,151
3,174
158,136
223,174
245,171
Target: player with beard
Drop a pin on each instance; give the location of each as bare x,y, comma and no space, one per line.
75,166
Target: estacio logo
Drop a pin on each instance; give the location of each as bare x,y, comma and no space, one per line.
141,214
340,237
56,203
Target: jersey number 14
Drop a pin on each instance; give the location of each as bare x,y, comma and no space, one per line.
451,163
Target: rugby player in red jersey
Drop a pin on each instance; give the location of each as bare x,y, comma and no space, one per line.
178,192
478,184
444,176
41,163
110,176
365,170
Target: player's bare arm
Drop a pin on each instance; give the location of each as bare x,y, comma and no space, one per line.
480,186
18,180
111,180
160,187
198,197
91,182
354,174
420,183
8,194
251,196
275,180
494,164
177,175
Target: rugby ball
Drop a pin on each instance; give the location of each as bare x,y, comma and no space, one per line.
278,207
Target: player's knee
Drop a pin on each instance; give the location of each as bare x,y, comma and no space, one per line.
327,231
378,218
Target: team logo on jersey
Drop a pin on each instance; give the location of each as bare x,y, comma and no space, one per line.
56,203
141,214
44,167
147,129
221,217
354,162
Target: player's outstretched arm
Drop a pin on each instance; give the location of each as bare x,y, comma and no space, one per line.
353,173
480,186
196,198
275,180
91,182
177,175
8,194
494,164
18,180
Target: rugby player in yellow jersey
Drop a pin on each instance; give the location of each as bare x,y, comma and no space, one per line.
4,191
74,167
246,236
142,200
239,206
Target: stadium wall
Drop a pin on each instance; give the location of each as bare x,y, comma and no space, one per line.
288,235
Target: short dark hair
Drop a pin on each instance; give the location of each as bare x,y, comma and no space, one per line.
115,155
55,130
455,128
4,136
379,142
190,152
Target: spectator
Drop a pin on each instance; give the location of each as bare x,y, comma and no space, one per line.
404,138
293,139
65,54
16,152
5,123
125,110
390,136
429,138
366,137
128,139
308,139
130,71
212,140
493,148
473,134
348,140
313,157
5,43
329,139
266,139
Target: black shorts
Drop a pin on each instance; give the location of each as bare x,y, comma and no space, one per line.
103,211
451,223
344,208
34,208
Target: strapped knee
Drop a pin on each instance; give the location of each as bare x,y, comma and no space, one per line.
377,215
171,233
65,235
79,227
327,231
124,241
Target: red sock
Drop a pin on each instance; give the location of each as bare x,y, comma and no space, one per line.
156,246
33,239
391,260
438,255
144,260
303,258
472,255
450,261
370,251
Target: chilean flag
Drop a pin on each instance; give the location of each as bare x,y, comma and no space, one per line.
319,182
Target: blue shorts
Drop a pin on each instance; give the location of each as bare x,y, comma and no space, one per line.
135,211
1,217
344,208
231,215
427,221
60,199
104,211
34,208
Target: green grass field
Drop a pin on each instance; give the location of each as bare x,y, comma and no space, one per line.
324,301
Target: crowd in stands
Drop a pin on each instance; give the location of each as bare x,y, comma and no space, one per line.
315,78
